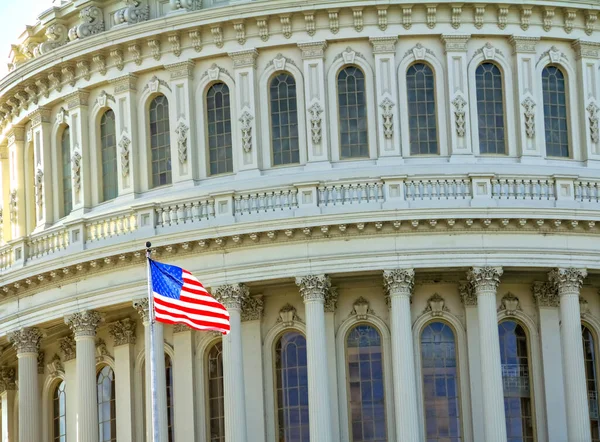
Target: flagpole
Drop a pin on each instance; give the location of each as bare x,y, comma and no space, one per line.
153,389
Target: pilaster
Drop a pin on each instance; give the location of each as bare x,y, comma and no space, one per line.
77,104
17,209
8,398
41,128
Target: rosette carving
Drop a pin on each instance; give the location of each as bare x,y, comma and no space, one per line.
84,323
313,287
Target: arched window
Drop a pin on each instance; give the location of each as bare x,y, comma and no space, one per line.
107,416
284,120
160,141
292,387
591,377
490,109
67,185
216,405
170,403
420,87
440,383
555,112
59,415
365,384
219,129
108,142
514,357
352,102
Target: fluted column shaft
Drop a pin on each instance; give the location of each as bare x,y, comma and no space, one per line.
26,342
232,297
314,289
568,283
484,281
399,284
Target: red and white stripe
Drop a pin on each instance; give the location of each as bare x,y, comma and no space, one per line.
196,307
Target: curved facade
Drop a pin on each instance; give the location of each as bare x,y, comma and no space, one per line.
398,204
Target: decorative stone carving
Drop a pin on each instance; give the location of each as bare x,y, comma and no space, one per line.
460,104
286,25
591,17
382,17
93,23
593,111
136,52
214,72
57,35
13,206
40,362
134,12
361,309
39,188
68,347
431,16
334,21
180,328
124,153
502,16
467,294
246,128
196,38
175,42
155,83
455,15
232,296
55,367
76,170
217,33
383,45
407,16
240,31
309,22
399,281
484,279
154,45
545,294
84,69
554,54
182,141
357,15
252,308
287,315
331,300
510,304
478,14
488,51
117,55
313,287
529,114
100,63
61,116
123,332
315,112
84,323
190,5
101,350
548,15
526,11
388,116
104,98
568,281
141,306
26,340
436,305
569,17
8,378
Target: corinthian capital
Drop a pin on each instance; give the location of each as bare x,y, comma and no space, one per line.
232,296
84,323
567,281
253,308
399,281
141,306
123,332
545,294
7,377
313,287
484,279
26,340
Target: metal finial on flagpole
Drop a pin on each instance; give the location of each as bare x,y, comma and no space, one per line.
153,389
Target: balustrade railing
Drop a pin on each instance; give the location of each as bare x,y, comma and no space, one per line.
262,202
437,189
523,189
173,214
350,193
46,243
6,257
110,226
587,191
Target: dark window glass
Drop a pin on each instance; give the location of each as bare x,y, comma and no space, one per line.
555,112
219,129
420,87
440,384
67,184
591,378
216,405
108,142
107,416
516,380
352,104
292,388
170,403
160,141
59,417
284,120
365,385
490,108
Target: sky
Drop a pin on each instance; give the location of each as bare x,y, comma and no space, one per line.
14,15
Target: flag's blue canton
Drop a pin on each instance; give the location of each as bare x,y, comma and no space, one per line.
166,280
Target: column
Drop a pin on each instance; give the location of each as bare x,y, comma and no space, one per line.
317,115
27,343
83,325
8,397
185,150
314,290
546,299
127,136
68,349
141,306
77,103
330,308
183,395
388,124
232,296
16,215
588,78
41,126
245,115
469,300
123,333
484,282
525,94
458,95
568,281
399,284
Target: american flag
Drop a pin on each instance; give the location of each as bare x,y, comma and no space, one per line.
180,298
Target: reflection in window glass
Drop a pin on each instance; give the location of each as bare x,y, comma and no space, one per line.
216,404
59,406
555,112
420,86
170,404
352,104
107,416
514,357
490,108
365,385
218,113
67,185
284,120
108,142
160,141
440,384
292,388
591,377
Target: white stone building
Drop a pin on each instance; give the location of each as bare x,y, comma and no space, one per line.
398,202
